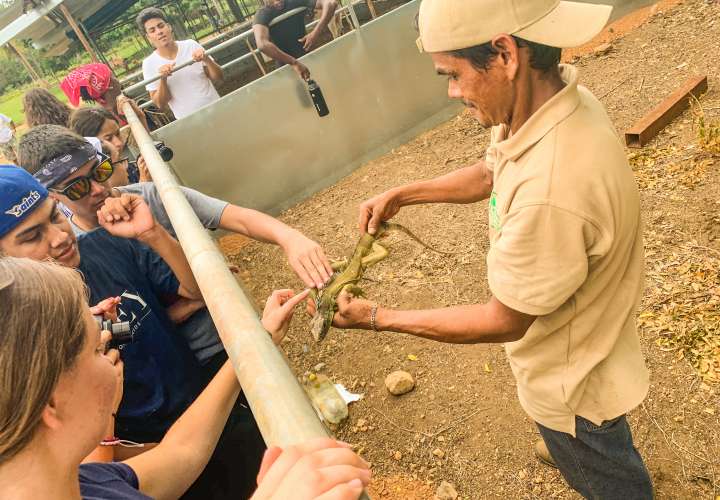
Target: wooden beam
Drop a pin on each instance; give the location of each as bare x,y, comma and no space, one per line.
657,119
260,64
28,67
81,36
371,7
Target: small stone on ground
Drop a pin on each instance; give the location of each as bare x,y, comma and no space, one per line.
446,491
399,382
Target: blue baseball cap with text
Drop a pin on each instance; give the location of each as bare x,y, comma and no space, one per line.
20,195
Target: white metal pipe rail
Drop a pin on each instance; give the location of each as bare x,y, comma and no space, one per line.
280,406
242,36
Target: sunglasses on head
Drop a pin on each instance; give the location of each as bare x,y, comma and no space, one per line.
80,187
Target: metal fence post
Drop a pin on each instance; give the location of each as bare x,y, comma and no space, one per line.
282,410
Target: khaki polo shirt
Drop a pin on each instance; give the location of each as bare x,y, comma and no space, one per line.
566,246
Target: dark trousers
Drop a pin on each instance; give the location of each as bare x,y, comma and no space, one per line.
232,470
600,462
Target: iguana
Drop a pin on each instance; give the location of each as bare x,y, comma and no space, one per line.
348,272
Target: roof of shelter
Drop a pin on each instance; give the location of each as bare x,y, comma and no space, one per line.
41,21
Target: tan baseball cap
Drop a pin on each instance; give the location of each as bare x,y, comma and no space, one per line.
457,24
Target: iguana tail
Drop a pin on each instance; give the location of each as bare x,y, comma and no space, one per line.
393,226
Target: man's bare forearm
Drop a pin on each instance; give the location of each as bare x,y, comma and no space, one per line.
162,95
272,51
466,324
328,11
215,72
466,185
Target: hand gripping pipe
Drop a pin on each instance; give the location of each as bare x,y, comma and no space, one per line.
282,410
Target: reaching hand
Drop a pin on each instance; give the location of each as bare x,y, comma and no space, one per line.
166,70
302,70
376,210
127,216
309,41
307,260
279,310
322,469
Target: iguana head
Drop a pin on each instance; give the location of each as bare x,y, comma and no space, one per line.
321,322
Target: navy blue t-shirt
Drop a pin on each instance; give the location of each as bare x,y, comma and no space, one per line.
161,374
113,481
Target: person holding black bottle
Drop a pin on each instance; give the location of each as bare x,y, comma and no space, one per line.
287,41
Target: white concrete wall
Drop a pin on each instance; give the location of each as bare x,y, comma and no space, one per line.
264,146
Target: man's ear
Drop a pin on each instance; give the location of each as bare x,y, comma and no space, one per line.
508,54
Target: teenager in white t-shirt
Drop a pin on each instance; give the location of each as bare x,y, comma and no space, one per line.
187,90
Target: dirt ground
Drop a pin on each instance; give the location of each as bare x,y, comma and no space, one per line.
464,407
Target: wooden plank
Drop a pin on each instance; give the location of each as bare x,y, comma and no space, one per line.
81,36
371,8
657,119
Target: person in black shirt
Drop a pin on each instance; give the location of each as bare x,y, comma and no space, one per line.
286,41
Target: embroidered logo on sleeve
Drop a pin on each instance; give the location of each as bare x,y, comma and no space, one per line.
26,204
493,214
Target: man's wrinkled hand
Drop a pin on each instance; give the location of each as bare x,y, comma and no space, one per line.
377,210
352,312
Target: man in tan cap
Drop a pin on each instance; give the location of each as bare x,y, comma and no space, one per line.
565,265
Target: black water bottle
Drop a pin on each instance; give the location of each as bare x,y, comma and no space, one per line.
317,98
